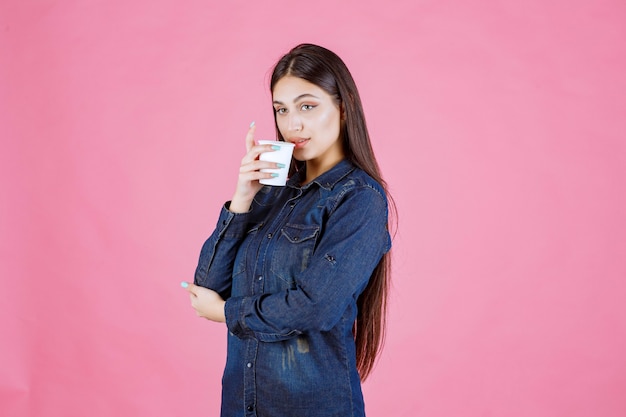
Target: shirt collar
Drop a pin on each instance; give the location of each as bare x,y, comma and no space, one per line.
327,180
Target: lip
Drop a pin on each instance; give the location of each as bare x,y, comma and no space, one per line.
299,142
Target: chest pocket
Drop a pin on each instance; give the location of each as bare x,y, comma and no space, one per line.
292,253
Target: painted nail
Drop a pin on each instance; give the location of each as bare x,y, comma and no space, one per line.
252,124
279,165
274,174
275,147
184,284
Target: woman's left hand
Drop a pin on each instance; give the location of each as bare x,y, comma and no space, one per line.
206,302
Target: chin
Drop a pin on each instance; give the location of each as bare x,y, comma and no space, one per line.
300,156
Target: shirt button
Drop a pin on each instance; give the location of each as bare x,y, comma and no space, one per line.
260,277
250,408
249,364
269,235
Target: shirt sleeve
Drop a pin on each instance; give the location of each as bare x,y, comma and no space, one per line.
353,241
217,255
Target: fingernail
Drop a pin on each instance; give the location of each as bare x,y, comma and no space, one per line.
184,284
252,124
274,174
275,147
279,165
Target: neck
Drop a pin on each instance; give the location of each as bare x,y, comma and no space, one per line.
314,168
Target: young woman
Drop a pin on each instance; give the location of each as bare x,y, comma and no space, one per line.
299,273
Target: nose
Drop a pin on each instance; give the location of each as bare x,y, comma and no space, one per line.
295,123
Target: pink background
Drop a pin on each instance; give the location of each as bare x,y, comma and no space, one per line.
500,126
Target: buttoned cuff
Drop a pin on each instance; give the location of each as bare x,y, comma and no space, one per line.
234,312
232,225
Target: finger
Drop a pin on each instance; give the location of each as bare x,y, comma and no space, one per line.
191,288
257,164
255,151
250,137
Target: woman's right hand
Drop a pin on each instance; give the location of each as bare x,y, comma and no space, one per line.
249,174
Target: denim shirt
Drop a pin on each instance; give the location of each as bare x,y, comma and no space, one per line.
291,270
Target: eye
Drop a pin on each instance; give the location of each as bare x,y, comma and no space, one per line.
307,107
280,110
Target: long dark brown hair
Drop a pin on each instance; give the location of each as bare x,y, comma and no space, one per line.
325,69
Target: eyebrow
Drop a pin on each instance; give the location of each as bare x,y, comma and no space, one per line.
300,97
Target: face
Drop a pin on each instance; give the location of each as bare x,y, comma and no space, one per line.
308,117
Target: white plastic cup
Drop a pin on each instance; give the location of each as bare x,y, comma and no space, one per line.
281,156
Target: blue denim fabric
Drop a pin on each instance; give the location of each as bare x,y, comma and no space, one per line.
291,270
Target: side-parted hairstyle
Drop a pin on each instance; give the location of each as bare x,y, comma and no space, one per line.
326,70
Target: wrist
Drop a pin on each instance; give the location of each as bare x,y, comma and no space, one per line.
239,205
220,314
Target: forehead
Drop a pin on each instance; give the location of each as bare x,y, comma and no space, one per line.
290,88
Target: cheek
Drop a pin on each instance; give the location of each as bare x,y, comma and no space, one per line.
330,121
282,126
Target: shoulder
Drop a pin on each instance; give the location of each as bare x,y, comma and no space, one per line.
359,181
362,201
357,192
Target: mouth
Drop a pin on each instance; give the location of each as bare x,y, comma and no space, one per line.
299,142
